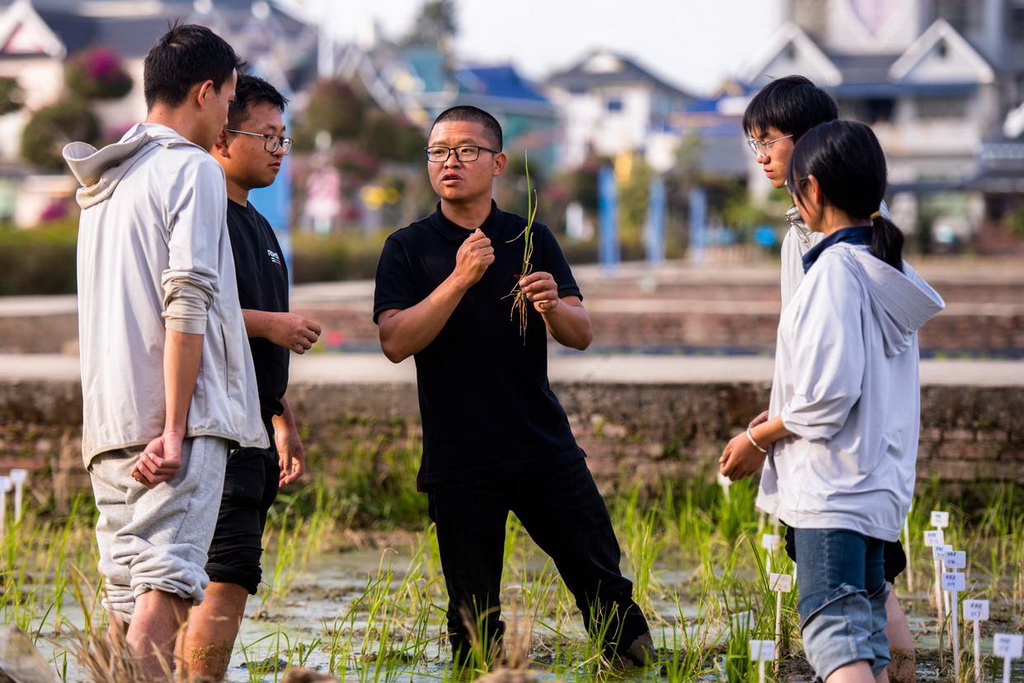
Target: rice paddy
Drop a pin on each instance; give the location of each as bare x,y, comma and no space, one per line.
367,604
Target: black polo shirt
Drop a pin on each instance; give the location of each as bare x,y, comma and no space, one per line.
485,401
263,286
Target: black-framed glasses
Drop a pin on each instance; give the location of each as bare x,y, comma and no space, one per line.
271,142
758,147
439,154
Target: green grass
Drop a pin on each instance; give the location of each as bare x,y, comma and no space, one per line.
694,556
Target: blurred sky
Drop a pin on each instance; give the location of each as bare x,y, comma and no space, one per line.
694,44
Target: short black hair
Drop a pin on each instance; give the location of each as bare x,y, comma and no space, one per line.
792,105
466,112
253,90
184,56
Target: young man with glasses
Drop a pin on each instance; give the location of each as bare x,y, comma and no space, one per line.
774,120
250,150
495,438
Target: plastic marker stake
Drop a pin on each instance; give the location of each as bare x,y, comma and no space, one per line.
18,476
769,542
910,555
934,537
1006,645
780,583
940,519
976,611
742,622
762,651
938,552
954,582
725,483
5,486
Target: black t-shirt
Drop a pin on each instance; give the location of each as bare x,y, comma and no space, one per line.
263,286
484,396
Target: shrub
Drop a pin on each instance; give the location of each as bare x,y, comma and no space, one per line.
39,261
97,74
54,126
11,96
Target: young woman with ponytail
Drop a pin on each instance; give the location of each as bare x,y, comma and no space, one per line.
842,430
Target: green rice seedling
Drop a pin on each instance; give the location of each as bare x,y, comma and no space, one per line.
520,304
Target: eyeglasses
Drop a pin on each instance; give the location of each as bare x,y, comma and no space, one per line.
758,147
271,142
438,154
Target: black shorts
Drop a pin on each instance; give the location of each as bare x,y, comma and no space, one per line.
895,556
250,487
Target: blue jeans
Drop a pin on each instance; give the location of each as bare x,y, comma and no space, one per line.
842,599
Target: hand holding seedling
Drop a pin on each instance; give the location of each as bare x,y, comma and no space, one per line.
160,461
473,258
541,290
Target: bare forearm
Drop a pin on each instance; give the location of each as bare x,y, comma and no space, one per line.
411,330
183,354
286,420
769,432
257,323
569,324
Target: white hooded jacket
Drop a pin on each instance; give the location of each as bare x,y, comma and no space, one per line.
847,385
153,251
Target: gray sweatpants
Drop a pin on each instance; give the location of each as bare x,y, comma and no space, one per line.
157,539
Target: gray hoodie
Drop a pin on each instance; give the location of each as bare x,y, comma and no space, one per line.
154,254
847,385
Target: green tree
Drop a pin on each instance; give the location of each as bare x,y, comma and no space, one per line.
54,126
435,26
97,74
334,107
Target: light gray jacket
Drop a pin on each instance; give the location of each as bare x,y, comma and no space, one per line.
154,254
847,385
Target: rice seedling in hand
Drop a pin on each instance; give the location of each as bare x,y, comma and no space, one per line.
520,304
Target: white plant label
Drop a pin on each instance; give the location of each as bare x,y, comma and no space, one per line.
975,610
934,537
743,621
781,583
770,541
1004,646
762,650
939,551
940,519
953,581
18,476
955,559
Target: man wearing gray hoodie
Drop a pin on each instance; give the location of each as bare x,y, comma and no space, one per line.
167,375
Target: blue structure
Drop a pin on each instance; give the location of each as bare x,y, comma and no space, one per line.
607,206
654,236
698,225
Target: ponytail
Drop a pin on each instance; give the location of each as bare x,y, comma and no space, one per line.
886,241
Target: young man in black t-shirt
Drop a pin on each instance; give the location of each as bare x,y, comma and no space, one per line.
250,151
495,438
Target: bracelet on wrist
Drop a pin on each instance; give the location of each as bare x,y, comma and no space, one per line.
753,442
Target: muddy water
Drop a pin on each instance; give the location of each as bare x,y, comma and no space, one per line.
298,626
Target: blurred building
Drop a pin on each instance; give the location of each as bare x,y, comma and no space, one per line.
610,105
935,79
37,36
421,81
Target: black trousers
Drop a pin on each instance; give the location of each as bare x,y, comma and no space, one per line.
565,515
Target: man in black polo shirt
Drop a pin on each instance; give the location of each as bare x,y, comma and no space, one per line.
495,438
250,151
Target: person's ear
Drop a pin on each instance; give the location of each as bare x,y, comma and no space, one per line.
221,146
204,92
500,160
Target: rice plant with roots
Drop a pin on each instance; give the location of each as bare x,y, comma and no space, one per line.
520,304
